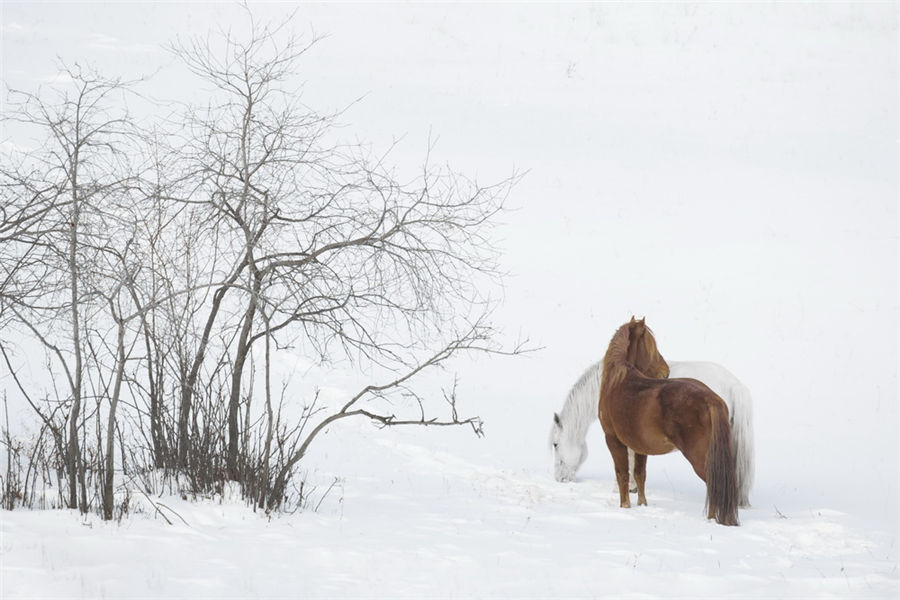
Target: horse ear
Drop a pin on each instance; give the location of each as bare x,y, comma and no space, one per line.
556,419
632,319
642,320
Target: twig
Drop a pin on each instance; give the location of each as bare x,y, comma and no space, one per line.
157,505
322,499
174,513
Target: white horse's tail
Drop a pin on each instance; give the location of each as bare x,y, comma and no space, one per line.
740,409
742,439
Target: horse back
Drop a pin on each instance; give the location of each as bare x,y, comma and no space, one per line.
640,414
685,404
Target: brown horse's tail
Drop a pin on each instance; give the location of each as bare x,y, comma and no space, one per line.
721,482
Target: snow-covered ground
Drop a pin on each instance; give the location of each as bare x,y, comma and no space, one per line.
409,519
729,171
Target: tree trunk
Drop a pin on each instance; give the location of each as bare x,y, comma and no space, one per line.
154,387
243,350
270,423
73,455
109,476
188,385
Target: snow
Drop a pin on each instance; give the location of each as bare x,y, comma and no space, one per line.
411,520
728,171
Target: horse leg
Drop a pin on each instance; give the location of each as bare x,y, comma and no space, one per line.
619,452
640,476
632,485
696,455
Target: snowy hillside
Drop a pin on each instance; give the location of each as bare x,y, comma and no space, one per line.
409,520
728,171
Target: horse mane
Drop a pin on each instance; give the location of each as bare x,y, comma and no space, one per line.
615,365
647,345
580,408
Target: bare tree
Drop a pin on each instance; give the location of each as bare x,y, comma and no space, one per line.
253,228
65,183
329,239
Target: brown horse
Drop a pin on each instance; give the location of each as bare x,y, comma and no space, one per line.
642,410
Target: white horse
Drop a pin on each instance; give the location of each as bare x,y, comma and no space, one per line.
570,426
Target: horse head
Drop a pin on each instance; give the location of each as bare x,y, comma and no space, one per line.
642,351
568,453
